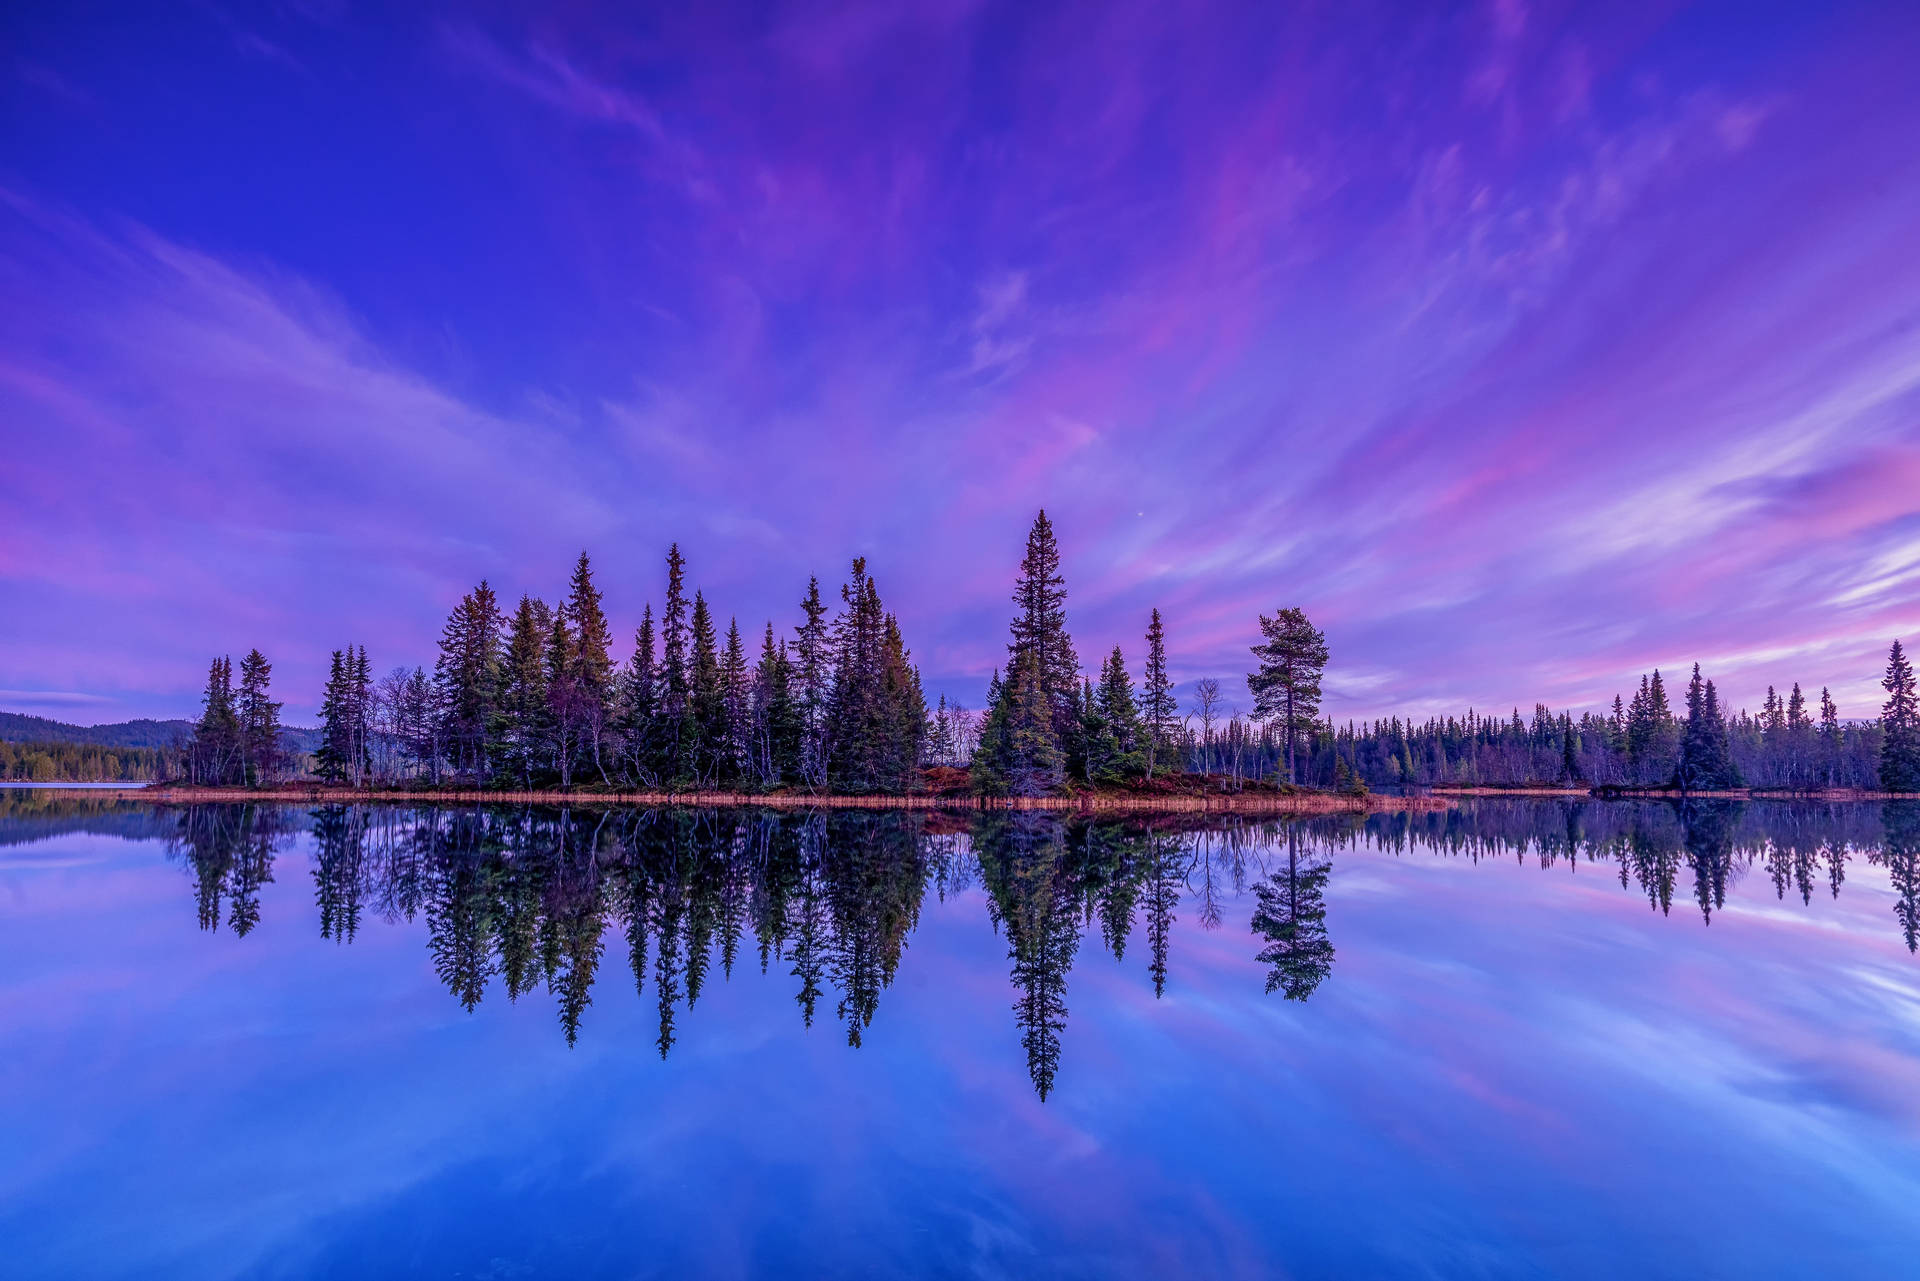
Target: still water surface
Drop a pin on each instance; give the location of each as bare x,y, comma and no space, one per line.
1518,1039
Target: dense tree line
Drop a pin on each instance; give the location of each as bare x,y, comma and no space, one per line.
1791,743
77,763
537,700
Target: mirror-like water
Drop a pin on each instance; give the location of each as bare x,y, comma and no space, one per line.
1519,1038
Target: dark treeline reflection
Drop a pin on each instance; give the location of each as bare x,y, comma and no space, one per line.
827,901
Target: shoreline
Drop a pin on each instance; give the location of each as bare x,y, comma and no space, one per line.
1609,792
1250,803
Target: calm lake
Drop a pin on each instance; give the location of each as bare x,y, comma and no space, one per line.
1518,1039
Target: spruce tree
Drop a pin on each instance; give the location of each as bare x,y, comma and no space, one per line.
813,682
676,692
215,752
706,735
1040,625
1122,757
592,673
1157,705
563,717
640,705
1091,738
467,680
736,694
1829,736
1032,753
1899,726
523,695
777,717
259,721
336,742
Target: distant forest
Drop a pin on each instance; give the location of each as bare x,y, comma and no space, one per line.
77,763
533,698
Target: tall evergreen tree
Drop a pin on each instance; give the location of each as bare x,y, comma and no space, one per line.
778,724
1157,705
1829,736
592,672
1120,757
640,705
259,721
1040,625
215,753
1899,726
676,728
1705,762
813,678
1287,685
523,695
335,754
736,693
708,708
467,680
564,715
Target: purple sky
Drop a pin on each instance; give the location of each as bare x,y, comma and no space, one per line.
1526,348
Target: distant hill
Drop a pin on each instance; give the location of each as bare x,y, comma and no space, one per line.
18,727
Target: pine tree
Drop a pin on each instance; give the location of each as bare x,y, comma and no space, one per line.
940,746
640,705
215,752
676,730
592,672
736,695
813,678
1899,726
563,717
1829,736
1040,625
777,719
1287,684
336,737
1120,756
467,680
359,690
259,721
707,717
1022,752
1157,704
523,694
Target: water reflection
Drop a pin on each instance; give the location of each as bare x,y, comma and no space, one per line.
831,899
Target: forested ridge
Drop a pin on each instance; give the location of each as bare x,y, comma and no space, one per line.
533,698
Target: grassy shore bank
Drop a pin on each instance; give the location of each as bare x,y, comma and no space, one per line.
1674,793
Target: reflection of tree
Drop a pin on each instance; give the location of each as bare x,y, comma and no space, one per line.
1902,822
230,852
875,878
1292,915
1164,878
1707,824
1023,862
339,867
1655,852
810,918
